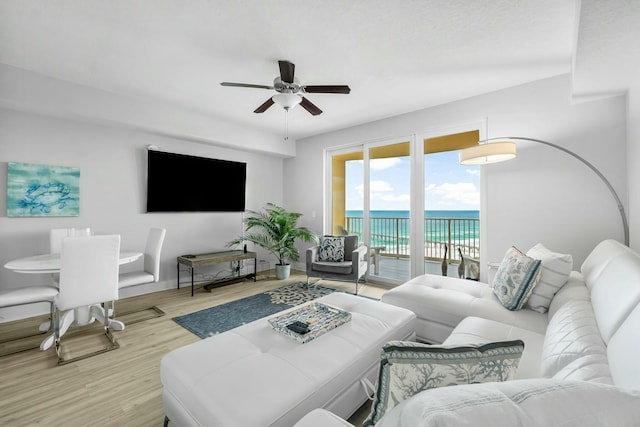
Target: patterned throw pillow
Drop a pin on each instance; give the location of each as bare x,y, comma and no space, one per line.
331,249
554,273
407,368
515,279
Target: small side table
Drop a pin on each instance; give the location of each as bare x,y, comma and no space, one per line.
199,260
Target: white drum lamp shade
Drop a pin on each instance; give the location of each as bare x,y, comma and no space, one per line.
490,152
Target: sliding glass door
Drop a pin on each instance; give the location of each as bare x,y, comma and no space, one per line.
409,200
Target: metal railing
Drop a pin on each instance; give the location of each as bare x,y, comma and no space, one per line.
393,233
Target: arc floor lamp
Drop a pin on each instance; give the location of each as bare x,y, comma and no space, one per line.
505,148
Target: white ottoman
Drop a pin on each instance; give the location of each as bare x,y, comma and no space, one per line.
255,376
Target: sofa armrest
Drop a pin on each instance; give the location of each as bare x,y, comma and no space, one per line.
359,257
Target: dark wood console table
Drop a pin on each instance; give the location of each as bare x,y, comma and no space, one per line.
199,260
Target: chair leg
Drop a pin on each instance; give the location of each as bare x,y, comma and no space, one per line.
112,343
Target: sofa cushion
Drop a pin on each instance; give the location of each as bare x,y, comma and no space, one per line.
440,303
598,259
331,249
572,333
554,273
533,402
476,331
574,290
591,367
515,279
623,352
407,368
616,292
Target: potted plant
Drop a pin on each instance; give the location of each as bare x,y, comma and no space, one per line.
276,230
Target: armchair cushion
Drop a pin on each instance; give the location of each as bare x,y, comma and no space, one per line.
331,249
407,368
344,267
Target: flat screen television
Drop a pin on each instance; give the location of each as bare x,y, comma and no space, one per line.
182,183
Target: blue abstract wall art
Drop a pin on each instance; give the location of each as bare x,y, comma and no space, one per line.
42,190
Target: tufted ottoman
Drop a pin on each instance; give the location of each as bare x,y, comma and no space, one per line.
255,376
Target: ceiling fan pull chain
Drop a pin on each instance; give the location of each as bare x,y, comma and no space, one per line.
286,124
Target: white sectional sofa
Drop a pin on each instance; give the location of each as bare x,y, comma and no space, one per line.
581,360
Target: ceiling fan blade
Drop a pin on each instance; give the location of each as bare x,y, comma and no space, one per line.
287,71
344,89
310,106
246,85
261,109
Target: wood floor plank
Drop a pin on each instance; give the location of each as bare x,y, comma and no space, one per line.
120,387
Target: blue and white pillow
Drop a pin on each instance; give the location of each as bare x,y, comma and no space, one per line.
331,249
515,279
407,368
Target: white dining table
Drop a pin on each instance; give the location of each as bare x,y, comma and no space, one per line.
79,316
50,263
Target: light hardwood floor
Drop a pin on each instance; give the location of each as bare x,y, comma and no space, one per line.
121,387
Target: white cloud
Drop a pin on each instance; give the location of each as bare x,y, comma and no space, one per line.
453,194
383,191
381,164
473,172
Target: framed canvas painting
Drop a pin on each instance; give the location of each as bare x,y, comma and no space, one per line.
42,190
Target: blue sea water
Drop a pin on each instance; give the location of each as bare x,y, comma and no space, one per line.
393,226
458,214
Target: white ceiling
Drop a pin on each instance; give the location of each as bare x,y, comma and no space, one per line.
396,55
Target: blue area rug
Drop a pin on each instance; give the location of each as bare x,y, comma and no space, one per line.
214,320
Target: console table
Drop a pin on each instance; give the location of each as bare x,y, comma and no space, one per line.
199,260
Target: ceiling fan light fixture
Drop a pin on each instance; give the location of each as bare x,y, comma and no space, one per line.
287,100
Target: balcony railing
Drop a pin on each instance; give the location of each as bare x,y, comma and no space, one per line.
393,233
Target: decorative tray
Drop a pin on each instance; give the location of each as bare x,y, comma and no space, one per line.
319,318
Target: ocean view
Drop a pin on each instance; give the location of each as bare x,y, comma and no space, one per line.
391,229
457,214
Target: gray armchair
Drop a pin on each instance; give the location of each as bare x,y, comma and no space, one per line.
352,268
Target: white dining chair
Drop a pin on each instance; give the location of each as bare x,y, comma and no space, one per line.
150,272
56,235
88,279
23,296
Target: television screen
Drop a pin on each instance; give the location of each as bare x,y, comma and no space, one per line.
182,183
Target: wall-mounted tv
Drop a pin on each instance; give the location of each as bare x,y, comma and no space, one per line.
182,183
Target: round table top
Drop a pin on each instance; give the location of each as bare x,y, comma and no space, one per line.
50,263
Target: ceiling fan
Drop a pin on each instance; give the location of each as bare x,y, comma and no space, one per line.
290,91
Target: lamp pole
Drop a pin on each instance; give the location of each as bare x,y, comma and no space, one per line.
623,215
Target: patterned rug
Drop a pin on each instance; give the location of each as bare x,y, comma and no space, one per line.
214,320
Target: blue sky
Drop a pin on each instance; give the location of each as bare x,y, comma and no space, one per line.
448,185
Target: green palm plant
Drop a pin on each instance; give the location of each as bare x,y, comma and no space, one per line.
276,230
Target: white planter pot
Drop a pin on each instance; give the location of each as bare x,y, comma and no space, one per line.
283,271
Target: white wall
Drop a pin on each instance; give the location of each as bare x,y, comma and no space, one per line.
633,160
543,195
112,164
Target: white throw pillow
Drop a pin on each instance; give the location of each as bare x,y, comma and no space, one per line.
554,273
